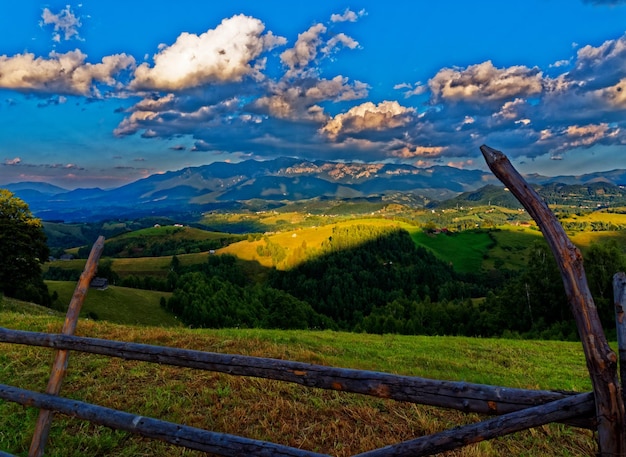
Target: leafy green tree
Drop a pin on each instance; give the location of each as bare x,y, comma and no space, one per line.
105,270
23,249
602,261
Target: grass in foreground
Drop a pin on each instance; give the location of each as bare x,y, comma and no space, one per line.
330,422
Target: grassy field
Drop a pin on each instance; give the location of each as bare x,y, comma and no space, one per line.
329,422
503,247
292,239
585,239
173,232
598,216
464,251
140,266
116,304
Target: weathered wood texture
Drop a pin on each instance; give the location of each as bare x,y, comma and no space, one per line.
6,454
180,435
463,396
59,366
601,360
510,423
619,299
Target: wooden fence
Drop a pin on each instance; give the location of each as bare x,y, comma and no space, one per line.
514,409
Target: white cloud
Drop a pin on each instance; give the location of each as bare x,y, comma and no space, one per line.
65,23
557,139
305,49
484,82
560,63
60,73
411,89
368,117
298,99
586,135
14,161
615,96
224,54
347,16
510,110
335,41
593,56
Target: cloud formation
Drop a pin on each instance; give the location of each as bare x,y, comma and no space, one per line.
241,89
347,16
304,51
65,23
224,54
485,82
67,73
366,117
299,99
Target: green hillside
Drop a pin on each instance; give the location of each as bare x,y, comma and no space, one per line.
116,304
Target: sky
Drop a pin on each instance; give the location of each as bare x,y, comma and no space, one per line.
103,93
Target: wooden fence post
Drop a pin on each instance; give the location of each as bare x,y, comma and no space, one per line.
59,367
601,360
619,299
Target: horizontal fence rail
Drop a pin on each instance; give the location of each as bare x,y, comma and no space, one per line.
232,445
462,396
180,435
556,411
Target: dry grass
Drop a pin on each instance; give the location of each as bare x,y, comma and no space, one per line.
335,423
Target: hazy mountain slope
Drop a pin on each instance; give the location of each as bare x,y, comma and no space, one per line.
223,185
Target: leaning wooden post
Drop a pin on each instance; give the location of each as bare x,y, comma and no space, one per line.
601,360
59,366
619,299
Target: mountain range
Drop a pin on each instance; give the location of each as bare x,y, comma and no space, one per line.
266,184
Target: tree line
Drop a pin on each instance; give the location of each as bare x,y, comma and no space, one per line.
389,285
364,278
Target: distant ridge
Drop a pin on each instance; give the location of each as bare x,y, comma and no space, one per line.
230,186
41,187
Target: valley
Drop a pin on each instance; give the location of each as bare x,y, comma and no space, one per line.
463,263
393,284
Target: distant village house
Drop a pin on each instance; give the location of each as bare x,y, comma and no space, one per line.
99,283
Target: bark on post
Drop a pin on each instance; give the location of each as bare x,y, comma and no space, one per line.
601,360
619,299
59,366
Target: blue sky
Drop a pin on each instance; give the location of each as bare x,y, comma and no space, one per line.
102,93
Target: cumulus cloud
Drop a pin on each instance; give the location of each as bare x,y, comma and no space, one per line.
576,136
411,89
65,22
485,82
305,49
511,110
224,54
214,88
299,99
340,39
347,16
601,65
615,96
60,73
368,117
309,44
170,116
410,151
